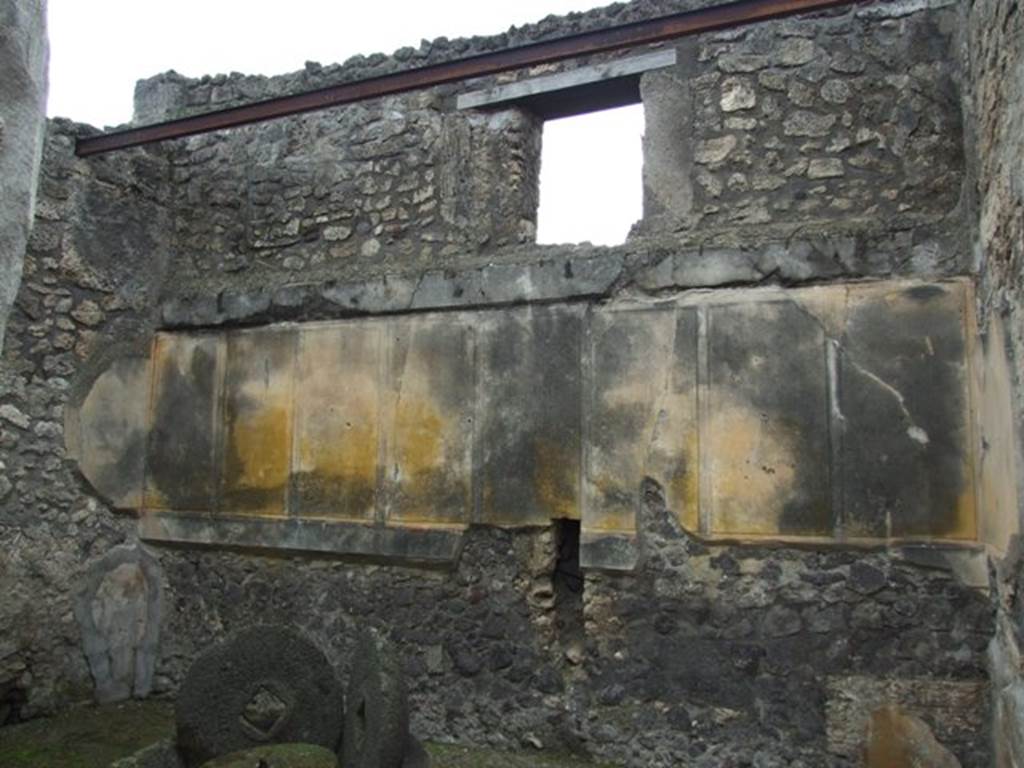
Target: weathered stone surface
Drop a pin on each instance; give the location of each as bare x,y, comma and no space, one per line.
411,545
714,150
668,154
119,608
803,123
428,414
898,738
993,101
377,718
264,684
23,59
737,95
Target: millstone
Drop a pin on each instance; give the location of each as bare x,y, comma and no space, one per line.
264,685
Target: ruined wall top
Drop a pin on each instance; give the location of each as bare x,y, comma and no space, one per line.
170,95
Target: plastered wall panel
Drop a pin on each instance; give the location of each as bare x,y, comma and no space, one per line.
106,430
904,401
838,413
640,413
428,420
183,448
337,421
767,425
530,431
258,396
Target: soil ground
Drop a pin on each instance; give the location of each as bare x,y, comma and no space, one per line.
94,737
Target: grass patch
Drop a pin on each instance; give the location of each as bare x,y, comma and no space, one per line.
86,737
94,737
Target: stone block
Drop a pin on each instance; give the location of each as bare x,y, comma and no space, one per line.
118,606
23,59
411,545
376,731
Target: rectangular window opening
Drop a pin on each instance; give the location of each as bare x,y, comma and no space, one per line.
591,177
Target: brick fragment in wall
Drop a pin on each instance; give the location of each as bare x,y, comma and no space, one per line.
953,709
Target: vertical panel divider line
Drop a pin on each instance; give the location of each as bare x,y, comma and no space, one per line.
476,465
219,442
836,427
704,498
149,421
585,361
973,405
290,500
384,334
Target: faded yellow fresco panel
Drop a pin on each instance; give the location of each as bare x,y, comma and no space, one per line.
258,421
337,421
996,472
641,415
182,458
905,400
752,469
428,422
529,431
767,429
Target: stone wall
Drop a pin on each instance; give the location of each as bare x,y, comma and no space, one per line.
92,270
996,50
824,150
791,124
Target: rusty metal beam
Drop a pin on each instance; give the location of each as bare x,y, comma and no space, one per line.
598,41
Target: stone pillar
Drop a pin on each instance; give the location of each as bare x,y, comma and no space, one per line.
24,55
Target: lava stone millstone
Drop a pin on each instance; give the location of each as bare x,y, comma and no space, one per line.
262,685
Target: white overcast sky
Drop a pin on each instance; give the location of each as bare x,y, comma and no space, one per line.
99,48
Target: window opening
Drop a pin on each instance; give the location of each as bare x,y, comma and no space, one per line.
591,177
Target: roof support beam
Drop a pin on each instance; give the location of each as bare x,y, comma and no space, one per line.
598,41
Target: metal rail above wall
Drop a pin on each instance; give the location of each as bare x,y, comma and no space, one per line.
598,41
